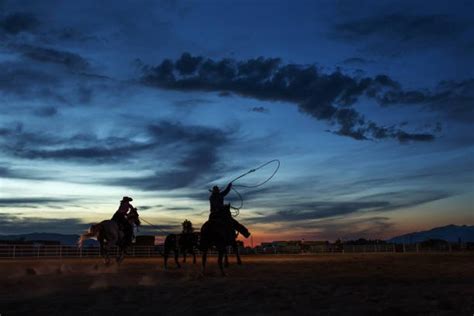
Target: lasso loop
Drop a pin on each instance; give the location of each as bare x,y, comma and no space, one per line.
237,209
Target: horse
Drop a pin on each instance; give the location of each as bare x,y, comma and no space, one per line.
184,242
220,233
109,234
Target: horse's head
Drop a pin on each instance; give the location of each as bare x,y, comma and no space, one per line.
133,217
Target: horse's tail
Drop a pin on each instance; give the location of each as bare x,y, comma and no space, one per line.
91,233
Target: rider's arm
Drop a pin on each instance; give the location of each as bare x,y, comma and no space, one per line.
227,189
130,207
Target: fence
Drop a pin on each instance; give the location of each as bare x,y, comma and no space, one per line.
64,251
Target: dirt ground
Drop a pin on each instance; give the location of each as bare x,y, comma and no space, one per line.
339,284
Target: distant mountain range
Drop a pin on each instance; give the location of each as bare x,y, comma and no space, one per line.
63,239
451,233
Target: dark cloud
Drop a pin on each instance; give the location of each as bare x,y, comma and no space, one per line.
78,147
317,210
46,111
347,228
192,102
170,132
382,202
15,23
407,199
48,83
71,61
356,61
455,99
21,80
20,173
195,151
73,34
401,27
11,202
10,224
327,97
259,109
180,208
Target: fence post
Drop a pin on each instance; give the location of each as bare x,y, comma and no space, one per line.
38,251
417,247
60,251
14,251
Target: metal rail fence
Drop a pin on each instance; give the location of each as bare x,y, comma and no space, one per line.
64,251
12,251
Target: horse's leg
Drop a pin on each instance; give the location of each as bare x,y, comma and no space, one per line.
226,259
165,257
204,259
194,256
221,256
120,254
176,256
117,241
106,254
237,254
103,251
184,255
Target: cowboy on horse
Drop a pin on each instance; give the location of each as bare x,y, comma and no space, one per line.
121,218
221,211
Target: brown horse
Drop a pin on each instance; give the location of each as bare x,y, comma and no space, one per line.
109,234
221,234
184,243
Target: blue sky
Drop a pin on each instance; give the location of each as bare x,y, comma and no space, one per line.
368,105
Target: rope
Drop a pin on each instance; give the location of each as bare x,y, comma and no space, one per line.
237,209
154,226
253,170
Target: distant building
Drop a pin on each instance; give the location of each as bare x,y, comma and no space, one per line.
145,240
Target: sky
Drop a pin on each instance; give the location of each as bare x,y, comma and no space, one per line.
368,105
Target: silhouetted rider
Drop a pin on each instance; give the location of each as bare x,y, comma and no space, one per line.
120,217
221,211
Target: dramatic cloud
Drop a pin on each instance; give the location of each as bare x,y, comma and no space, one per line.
10,224
453,98
196,151
316,210
327,97
69,60
79,147
311,210
15,23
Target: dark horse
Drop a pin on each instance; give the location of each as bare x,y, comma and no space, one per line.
186,242
220,233
109,234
